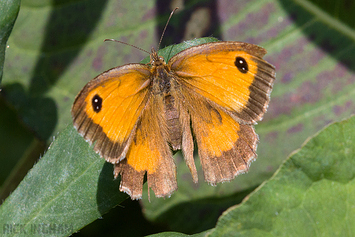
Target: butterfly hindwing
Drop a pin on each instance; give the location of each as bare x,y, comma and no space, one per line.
225,147
149,153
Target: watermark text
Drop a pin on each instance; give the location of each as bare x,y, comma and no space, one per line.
42,228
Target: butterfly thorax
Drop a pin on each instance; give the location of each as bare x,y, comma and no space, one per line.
160,75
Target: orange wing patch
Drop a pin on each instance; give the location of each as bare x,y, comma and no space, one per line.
108,108
214,133
214,77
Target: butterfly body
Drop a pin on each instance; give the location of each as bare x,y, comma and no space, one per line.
135,114
164,87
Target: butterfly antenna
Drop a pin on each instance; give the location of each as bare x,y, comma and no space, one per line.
126,44
166,25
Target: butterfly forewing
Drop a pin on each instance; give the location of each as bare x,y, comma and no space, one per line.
230,74
107,109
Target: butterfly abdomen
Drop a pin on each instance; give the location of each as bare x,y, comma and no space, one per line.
172,116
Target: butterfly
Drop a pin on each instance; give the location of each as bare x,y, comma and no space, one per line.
136,114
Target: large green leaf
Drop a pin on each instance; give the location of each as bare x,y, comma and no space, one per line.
312,194
67,189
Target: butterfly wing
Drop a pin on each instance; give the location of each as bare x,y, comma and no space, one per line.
118,112
225,147
226,88
107,109
230,74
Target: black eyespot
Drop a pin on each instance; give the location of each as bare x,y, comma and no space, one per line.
241,64
96,103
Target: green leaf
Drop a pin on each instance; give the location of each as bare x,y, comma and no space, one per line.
8,14
341,10
310,195
68,188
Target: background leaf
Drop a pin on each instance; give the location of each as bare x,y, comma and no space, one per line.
62,189
56,48
310,195
9,10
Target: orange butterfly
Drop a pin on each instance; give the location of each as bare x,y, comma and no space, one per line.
135,113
